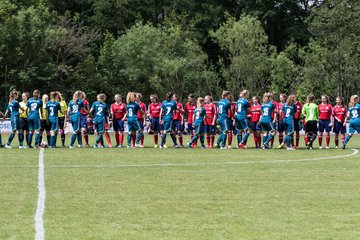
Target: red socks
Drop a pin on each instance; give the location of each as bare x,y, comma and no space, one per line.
107,135
86,137
327,140
181,140
117,138
156,139
281,138
230,136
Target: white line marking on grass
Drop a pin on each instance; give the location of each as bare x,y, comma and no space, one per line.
39,221
355,152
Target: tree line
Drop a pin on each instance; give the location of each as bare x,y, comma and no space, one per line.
199,47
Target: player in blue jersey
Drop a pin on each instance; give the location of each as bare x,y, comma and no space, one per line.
34,106
242,122
354,115
13,108
52,110
198,123
132,110
101,116
224,106
74,115
288,109
266,120
168,108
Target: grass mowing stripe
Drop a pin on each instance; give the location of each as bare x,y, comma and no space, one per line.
39,221
354,152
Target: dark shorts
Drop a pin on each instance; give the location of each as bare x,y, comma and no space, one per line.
61,123
83,121
156,126
255,127
177,126
209,129
24,123
45,126
190,127
242,124
118,125
311,126
339,127
324,125
199,128
297,125
280,126
267,126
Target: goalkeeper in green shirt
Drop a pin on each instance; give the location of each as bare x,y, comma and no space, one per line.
310,112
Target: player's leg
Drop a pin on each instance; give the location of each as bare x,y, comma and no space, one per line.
84,131
321,132
327,129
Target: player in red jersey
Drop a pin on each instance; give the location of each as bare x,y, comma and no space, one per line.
154,109
297,122
281,115
178,119
210,122
189,110
271,98
255,117
325,111
141,118
231,115
338,120
118,110
83,118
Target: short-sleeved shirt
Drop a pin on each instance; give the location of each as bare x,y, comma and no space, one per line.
75,108
14,108
53,109
118,110
143,108
354,113
255,112
289,112
64,107
339,112
100,111
132,109
34,105
179,109
266,111
154,110
223,108
189,109
311,112
242,105
211,112
325,111
168,106
199,115
23,112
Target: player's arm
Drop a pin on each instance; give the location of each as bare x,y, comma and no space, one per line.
259,120
4,114
214,118
161,115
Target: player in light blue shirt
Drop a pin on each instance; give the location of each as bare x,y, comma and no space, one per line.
101,116
34,106
13,108
224,106
266,121
242,122
198,122
289,109
354,115
52,109
74,115
168,108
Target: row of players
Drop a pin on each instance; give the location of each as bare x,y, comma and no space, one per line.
35,116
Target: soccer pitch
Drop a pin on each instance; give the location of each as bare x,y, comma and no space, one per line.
183,193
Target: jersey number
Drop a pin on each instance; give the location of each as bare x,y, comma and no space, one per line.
168,110
239,107
99,111
288,111
221,109
75,108
33,107
51,111
355,114
266,112
131,112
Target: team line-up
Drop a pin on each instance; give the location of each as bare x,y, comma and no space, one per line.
285,118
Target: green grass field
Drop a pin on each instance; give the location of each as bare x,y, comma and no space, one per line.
183,193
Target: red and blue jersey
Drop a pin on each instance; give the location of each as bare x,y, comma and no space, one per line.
325,111
179,109
118,110
211,112
339,113
154,110
255,113
189,109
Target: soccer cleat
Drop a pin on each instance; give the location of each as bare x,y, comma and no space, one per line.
119,146
128,146
137,145
71,147
142,145
290,149
336,147
216,145
327,147
343,146
110,146
7,146
189,145
156,146
266,146
95,146
229,147
161,147
63,146
1,146
165,146
21,147
223,148
320,147
203,147
80,146
176,146
87,145
280,146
